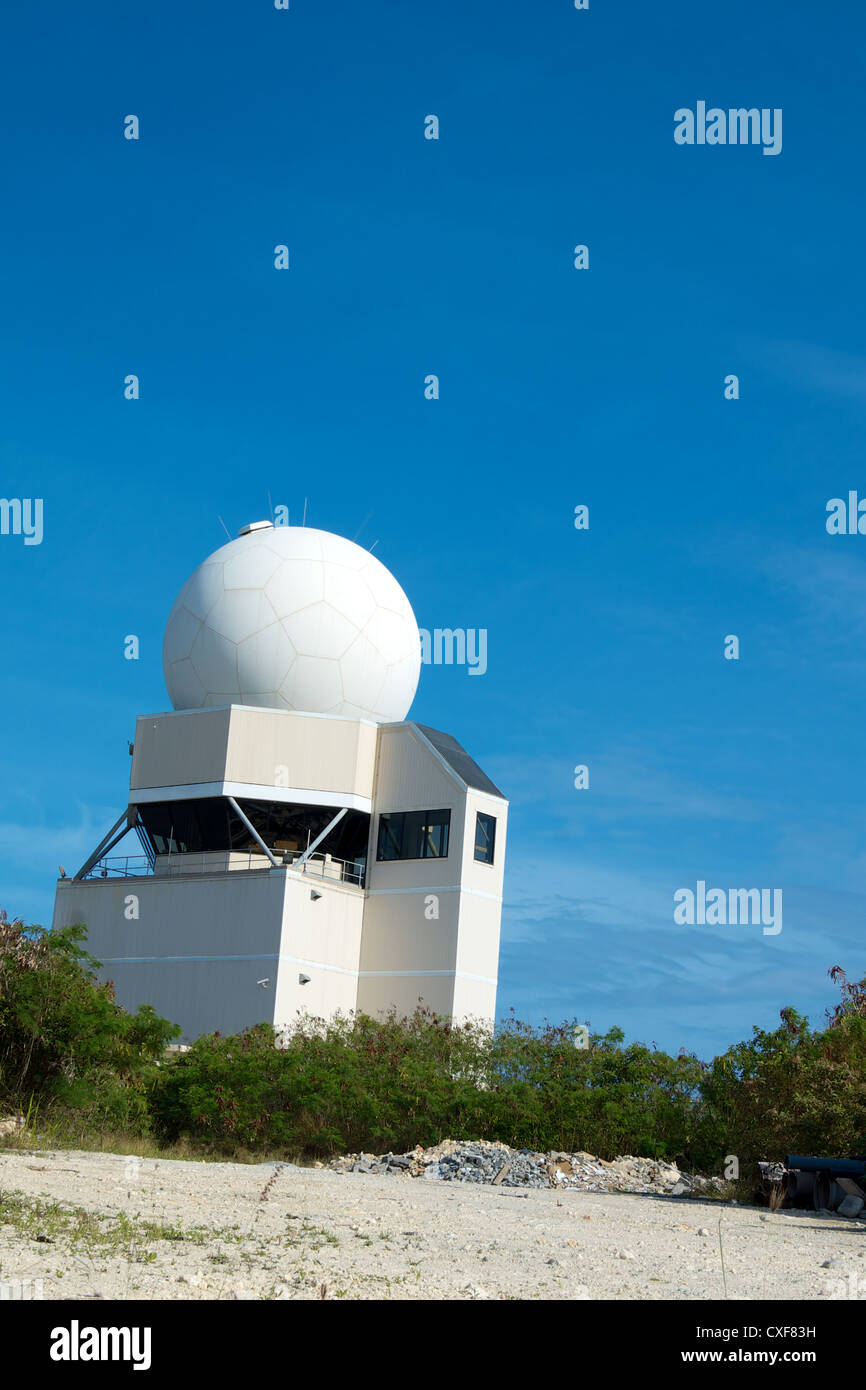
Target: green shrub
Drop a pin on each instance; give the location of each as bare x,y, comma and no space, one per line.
793,1090
63,1039
343,1084
359,1083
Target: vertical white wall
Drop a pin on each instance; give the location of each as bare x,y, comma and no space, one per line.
320,938
480,913
431,926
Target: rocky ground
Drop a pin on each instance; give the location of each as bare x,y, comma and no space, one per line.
485,1162
96,1226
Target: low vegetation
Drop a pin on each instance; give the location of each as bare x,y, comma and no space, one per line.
66,1046
84,1072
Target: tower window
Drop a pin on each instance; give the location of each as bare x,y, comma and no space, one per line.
413,835
485,837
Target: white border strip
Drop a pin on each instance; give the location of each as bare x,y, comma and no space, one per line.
258,709
305,796
435,888
298,960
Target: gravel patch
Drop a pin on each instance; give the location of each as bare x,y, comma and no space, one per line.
483,1161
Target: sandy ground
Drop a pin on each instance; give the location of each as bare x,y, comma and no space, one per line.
141,1228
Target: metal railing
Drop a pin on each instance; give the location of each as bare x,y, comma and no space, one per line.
327,867
176,865
179,865
121,866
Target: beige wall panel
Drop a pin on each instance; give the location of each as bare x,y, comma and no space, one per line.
478,945
197,950
262,747
331,755
375,996
398,936
409,776
172,750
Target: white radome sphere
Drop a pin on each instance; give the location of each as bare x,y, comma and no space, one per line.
288,617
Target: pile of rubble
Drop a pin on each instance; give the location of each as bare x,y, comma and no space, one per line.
481,1161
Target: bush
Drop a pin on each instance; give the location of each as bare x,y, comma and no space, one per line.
343,1084
358,1083
63,1039
607,1099
794,1090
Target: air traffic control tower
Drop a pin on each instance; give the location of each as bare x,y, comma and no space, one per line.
301,845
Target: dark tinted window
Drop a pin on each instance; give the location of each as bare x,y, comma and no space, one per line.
485,838
208,823
414,835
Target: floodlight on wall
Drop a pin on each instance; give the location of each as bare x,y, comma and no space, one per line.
303,979
314,895
265,982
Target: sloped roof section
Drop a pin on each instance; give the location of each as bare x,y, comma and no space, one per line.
460,762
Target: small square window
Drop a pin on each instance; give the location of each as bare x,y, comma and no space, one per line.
485,838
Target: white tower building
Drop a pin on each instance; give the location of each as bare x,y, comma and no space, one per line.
304,846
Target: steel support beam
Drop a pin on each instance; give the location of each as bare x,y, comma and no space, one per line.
252,829
105,844
319,838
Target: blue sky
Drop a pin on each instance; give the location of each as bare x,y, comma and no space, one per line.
558,387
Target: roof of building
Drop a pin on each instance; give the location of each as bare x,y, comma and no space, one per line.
459,761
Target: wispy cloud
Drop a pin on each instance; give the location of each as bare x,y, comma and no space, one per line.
812,366
581,940
627,780
38,845
829,584
30,854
